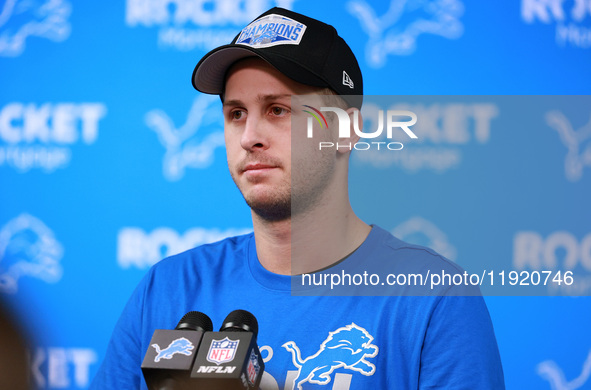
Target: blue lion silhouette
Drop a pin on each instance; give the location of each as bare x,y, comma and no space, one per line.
346,347
28,248
20,19
181,345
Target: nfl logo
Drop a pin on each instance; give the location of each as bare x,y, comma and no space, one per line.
253,368
222,351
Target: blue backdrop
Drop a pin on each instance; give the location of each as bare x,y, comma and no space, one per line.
110,160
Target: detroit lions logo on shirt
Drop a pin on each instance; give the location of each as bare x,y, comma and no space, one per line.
181,345
272,30
347,347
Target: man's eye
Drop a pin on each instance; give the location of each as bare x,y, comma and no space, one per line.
237,114
278,111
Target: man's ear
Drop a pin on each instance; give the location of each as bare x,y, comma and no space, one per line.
356,122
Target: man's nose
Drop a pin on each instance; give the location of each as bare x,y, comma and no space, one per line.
255,135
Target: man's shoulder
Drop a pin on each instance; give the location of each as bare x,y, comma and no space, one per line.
429,272
408,252
213,252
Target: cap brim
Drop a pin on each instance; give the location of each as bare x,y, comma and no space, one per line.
210,73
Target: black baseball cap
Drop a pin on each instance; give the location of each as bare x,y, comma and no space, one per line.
304,49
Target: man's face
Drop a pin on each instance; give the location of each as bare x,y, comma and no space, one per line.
257,121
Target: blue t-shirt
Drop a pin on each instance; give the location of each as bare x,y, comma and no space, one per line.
316,341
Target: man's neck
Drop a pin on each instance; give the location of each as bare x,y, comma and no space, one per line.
309,241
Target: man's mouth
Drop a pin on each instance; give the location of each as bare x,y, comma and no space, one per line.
257,167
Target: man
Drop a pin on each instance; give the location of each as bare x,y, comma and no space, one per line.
303,223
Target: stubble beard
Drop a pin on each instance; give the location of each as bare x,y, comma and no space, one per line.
294,196
273,207
274,204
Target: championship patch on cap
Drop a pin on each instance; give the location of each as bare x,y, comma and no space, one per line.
271,30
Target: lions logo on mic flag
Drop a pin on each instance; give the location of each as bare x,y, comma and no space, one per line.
180,345
222,351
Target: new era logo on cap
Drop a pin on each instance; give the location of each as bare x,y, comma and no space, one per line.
347,80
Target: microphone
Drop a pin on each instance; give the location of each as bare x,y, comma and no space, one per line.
230,359
168,361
